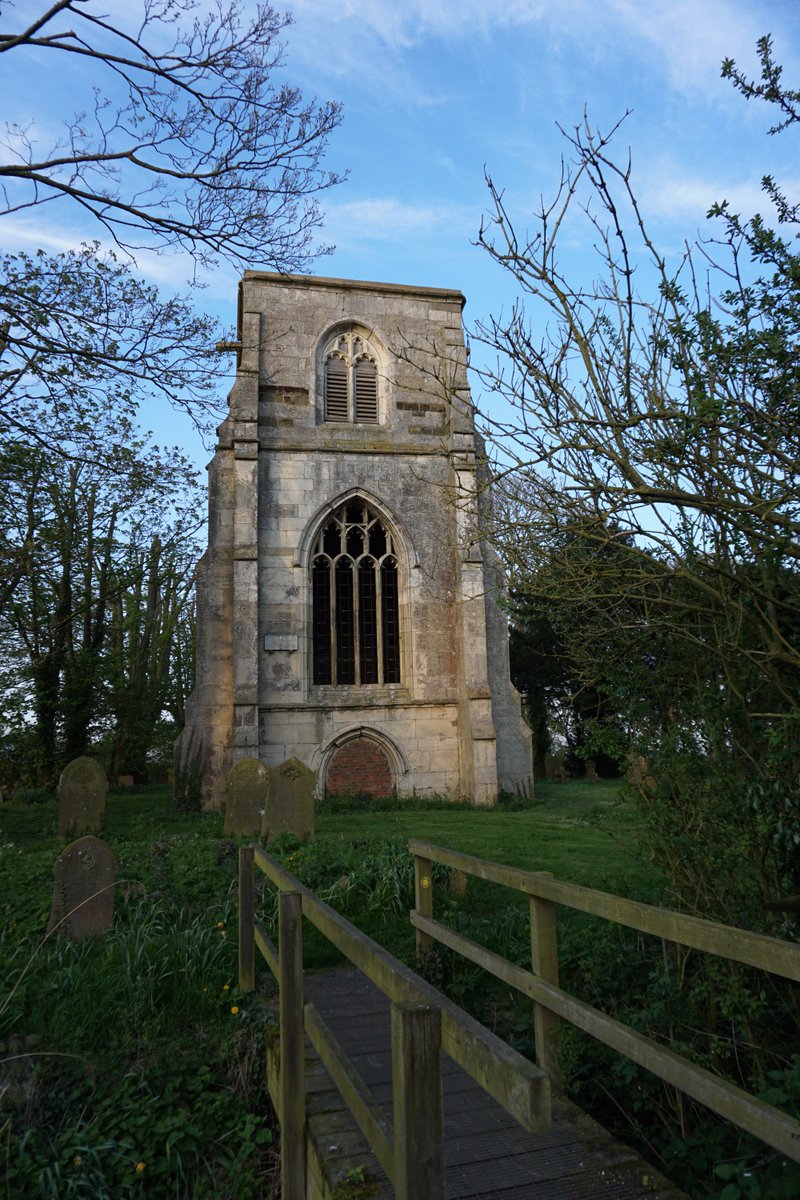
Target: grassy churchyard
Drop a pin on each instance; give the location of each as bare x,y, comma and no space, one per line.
130,1066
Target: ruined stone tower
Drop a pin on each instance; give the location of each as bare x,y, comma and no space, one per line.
347,607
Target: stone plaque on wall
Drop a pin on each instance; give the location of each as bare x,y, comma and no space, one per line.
83,889
290,807
246,798
82,797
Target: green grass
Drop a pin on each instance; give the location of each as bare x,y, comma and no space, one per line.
581,832
135,1055
123,1053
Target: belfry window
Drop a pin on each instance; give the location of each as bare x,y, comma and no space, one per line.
351,381
355,600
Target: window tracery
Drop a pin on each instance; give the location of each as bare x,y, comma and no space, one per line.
351,380
355,600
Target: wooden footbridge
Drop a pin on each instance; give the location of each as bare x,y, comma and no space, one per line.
470,1116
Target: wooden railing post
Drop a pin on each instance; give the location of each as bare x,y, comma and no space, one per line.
417,1094
247,962
292,1113
423,898
544,963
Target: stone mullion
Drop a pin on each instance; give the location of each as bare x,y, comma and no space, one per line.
379,615
332,618
356,620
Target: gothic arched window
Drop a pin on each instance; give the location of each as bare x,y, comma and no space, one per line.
351,381
355,600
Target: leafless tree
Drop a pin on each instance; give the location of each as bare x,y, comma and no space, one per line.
649,469
186,139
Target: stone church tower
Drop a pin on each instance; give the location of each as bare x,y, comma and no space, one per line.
346,605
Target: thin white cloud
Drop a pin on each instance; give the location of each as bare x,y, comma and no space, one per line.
681,197
389,219
25,236
689,39
170,272
668,191
405,25
684,40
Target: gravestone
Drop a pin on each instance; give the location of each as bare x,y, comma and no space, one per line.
638,773
82,797
637,769
290,807
555,768
457,884
591,771
246,797
83,889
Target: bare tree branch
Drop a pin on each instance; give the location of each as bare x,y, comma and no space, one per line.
187,141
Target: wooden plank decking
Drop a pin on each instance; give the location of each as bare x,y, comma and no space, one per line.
487,1154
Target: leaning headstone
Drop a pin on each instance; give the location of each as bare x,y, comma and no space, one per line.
246,798
457,884
639,775
82,797
637,769
555,768
83,890
290,807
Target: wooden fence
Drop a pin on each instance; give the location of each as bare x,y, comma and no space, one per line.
552,1003
424,1022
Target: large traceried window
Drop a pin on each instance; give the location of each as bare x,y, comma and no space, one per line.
355,598
351,381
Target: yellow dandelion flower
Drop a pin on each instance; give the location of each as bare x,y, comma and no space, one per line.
220,924
226,987
140,1168
235,1009
77,1160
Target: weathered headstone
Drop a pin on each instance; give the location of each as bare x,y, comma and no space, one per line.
637,769
246,797
125,781
290,807
457,884
591,771
82,797
638,773
83,889
555,768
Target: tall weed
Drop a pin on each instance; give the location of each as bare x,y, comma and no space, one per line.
133,1088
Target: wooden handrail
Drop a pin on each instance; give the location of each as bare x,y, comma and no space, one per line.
516,1083
356,1095
423,1023
770,1124
753,949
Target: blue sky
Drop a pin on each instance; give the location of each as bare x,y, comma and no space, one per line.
436,91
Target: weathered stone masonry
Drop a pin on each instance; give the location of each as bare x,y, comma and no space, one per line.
346,602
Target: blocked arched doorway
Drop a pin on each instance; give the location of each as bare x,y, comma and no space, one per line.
359,765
